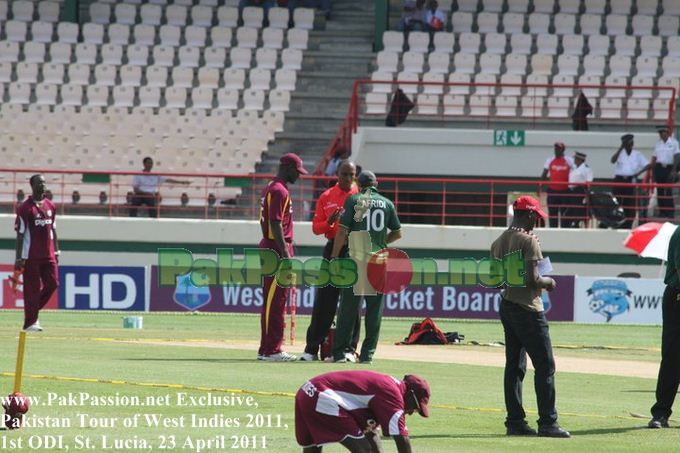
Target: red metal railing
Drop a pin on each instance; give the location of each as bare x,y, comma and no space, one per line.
535,113
443,201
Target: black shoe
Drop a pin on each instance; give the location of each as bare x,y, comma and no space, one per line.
657,423
519,429
552,431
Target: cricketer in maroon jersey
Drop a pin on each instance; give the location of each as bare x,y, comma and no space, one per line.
276,221
348,406
37,251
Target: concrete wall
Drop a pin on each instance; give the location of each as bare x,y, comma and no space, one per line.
471,152
124,241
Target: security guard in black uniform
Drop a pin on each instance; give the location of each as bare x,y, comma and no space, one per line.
669,371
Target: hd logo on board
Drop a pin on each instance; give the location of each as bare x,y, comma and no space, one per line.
102,288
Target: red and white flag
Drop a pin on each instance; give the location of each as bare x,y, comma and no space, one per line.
651,239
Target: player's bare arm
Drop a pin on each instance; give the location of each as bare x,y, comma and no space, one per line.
177,181
18,261
616,155
334,217
403,444
374,439
393,236
339,243
535,280
277,231
56,245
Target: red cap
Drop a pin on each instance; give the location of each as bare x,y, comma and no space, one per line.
527,203
421,390
294,160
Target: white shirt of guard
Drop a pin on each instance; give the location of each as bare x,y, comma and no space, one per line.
630,164
665,151
581,174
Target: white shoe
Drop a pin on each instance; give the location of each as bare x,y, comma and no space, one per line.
280,357
351,358
34,327
260,357
307,357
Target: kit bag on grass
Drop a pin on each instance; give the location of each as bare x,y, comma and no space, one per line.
427,332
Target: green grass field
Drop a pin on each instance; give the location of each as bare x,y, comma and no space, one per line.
92,353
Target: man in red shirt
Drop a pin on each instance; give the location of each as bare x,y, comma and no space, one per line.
559,200
276,221
349,406
37,251
329,207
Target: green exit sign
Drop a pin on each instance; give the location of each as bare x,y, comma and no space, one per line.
508,138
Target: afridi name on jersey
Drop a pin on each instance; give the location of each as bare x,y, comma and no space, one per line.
371,212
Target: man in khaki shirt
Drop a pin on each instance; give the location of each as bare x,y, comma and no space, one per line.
525,326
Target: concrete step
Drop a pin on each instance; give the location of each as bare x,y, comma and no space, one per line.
306,125
317,86
360,45
339,34
333,62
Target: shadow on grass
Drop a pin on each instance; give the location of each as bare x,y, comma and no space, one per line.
585,432
638,391
459,436
194,359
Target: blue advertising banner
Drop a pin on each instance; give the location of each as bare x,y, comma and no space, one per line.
102,288
473,302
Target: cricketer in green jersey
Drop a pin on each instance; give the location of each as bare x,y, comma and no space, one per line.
370,221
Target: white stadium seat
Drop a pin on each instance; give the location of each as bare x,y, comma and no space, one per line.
170,35
227,16
164,55
67,32
48,11
215,57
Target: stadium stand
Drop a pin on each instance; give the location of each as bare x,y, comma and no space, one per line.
546,42
174,80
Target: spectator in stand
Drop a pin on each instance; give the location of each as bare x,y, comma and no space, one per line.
556,170
579,176
103,198
145,188
435,20
665,162
323,5
629,164
75,197
413,17
20,196
333,164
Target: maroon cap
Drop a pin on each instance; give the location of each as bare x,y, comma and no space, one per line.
294,160
421,390
560,145
527,203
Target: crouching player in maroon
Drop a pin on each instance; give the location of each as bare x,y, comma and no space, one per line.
350,407
37,251
276,220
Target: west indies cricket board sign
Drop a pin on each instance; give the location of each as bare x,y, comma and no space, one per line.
474,302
